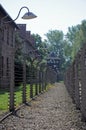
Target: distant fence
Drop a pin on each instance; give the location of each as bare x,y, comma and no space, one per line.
75,80
22,84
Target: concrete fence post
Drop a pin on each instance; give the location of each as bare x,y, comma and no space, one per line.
31,81
24,83
39,81
11,104
77,86
36,84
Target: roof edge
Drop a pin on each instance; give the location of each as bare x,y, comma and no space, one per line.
5,13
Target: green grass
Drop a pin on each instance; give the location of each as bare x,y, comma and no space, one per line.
4,100
61,81
4,97
18,96
33,90
28,92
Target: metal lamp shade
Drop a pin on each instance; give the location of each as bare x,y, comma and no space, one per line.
29,15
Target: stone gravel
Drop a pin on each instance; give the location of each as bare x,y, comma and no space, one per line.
52,110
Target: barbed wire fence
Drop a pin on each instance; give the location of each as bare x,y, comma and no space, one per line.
75,81
20,82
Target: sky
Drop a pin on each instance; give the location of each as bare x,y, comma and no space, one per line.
51,14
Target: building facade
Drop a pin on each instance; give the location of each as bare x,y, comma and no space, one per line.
7,48
28,46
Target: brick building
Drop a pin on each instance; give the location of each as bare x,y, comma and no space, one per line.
7,48
28,46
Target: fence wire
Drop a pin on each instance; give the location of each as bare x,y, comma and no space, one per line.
75,80
19,83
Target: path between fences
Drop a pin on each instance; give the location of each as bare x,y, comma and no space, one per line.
52,110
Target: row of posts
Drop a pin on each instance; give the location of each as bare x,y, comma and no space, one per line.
75,81
43,77
41,82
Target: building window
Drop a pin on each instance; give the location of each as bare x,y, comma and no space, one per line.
8,36
7,66
3,34
12,38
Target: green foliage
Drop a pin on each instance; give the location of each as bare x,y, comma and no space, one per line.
65,47
76,37
41,46
55,40
38,40
18,48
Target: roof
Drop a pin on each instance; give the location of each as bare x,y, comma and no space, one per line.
4,12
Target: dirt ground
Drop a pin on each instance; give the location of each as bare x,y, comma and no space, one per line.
52,110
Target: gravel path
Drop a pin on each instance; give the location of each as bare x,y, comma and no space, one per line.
52,110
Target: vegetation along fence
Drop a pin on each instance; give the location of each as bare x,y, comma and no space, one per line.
21,82
75,80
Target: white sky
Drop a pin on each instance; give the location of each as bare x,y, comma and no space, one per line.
52,14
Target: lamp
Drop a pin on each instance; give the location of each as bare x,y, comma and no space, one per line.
27,15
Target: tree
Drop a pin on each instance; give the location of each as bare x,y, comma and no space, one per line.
83,32
41,46
67,53
18,47
76,36
73,38
55,39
